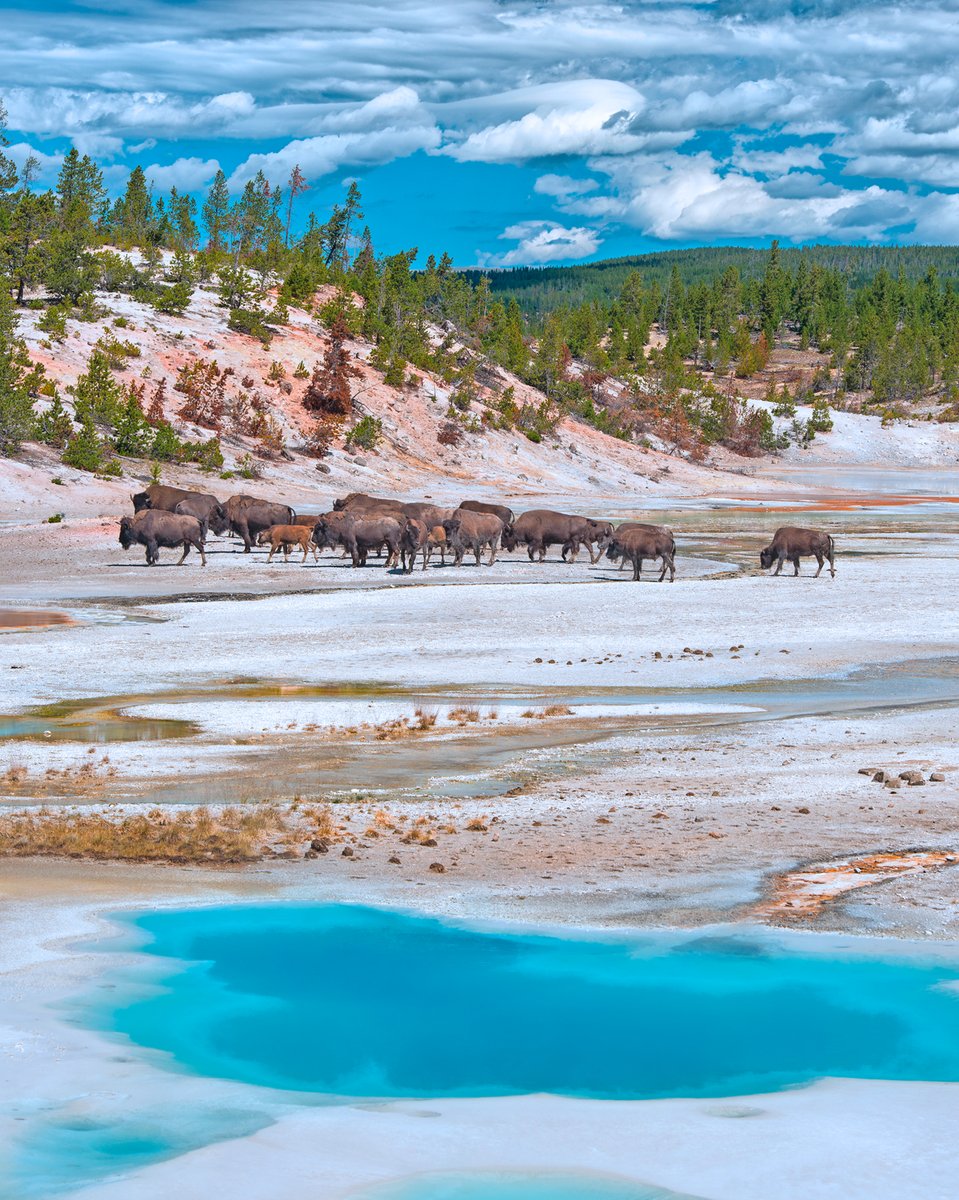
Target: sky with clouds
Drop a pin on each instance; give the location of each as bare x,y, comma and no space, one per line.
517,131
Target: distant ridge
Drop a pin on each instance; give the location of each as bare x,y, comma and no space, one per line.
539,289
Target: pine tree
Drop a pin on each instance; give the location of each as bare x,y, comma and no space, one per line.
329,389
296,185
18,378
216,211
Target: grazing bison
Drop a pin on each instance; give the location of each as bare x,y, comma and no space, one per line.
154,529
252,519
211,516
357,500
541,528
633,542
358,535
413,540
793,543
473,531
285,537
497,510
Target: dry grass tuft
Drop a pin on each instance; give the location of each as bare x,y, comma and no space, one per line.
425,718
465,715
551,710
477,825
190,835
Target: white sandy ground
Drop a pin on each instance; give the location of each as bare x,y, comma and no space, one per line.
702,817
830,1141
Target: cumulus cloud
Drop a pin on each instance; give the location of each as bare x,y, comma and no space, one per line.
543,242
563,186
389,126
186,174
819,104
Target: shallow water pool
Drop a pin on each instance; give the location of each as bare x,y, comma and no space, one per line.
497,1185
357,1002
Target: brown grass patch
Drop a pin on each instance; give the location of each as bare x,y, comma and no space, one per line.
465,715
190,835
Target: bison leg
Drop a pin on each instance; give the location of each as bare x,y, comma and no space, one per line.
269,557
493,547
779,565
573,548
672,569
637,568
153,554
186,551
795,563
593,558
819,559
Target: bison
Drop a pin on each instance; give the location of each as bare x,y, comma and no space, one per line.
358,535
542,528
793,543
497,510
211,516
154,529
285,537
473,531
633,542
252,519
413,540
435,539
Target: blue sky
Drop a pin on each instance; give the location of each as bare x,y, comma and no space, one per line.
517,131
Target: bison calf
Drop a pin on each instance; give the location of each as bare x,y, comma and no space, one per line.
792,542
285,537
154,528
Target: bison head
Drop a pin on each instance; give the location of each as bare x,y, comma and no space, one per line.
509,539
614,552
140,501
218,522
766,558
126,533
263,537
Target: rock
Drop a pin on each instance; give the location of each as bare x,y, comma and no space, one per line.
347,852
323,468
393,858
802,811
879,777
429,842
311,854
909,776
937,777
869,771
438,868
319,845
891,783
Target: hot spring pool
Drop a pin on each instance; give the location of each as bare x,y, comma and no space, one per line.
356,1002
496,1185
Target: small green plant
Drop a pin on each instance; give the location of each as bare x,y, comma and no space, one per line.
54,322
302,371
276,372
58,481
156,471
55,519
252,322
246,467
366,433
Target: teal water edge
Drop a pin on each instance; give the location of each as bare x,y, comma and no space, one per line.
496,1185
352,1001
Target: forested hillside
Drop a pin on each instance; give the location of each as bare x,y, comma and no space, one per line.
663,350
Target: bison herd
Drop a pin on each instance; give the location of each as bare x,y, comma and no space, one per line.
360,525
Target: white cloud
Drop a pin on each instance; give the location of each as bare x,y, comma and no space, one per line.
186,174
543,242
563,186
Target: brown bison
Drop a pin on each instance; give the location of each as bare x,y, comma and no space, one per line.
541,528
505,514
285,537
154,529
412,541
357,500
633,542
211,516
435,540
473,531
358,535
792,543
251,520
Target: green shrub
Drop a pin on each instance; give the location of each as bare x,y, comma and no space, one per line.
54,322
54,426
252,322
366,433
87,451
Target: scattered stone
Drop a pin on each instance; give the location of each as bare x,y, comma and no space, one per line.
319,845
429,842
913,778
393,858
879,777
802,811
891,783
347,852
438,868
869,771
937,777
